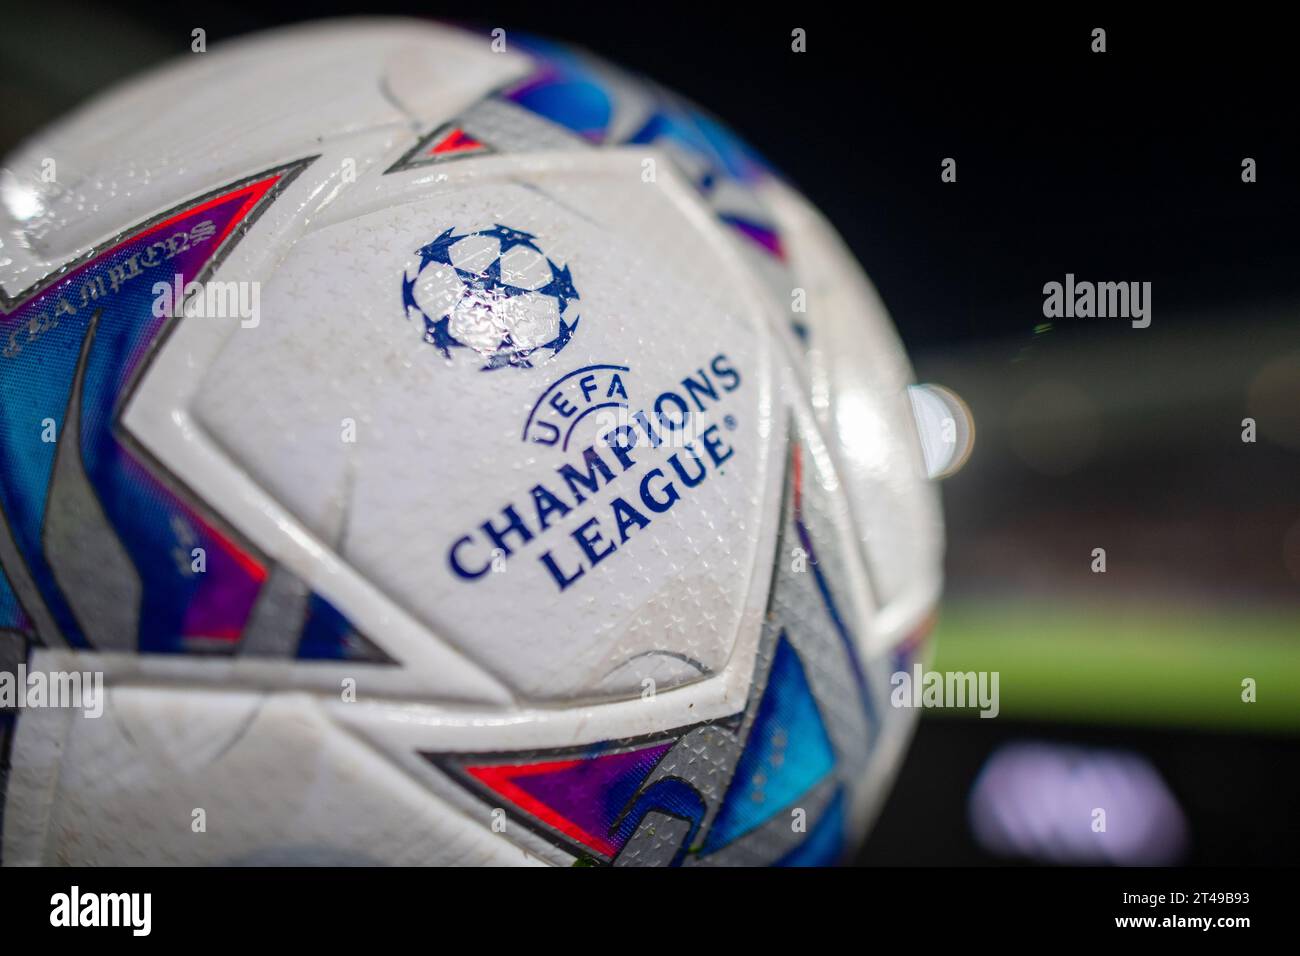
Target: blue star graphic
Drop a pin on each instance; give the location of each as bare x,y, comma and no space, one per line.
439,250
438,335
510,238
560,286
489,280
562,339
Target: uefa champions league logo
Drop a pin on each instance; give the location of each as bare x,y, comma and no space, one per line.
493,291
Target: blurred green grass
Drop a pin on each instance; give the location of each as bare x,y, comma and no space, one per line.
1142,665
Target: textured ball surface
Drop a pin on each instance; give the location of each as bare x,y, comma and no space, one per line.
462,454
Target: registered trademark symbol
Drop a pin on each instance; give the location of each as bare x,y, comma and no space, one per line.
730,422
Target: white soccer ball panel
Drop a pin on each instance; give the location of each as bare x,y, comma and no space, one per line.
531,319
475,254
525,268
438,289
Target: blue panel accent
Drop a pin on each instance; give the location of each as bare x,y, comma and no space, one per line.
36,384
11,612
787,753
581,107
724,152
825,844
166,590
568,93
325,632
737,157
42,340
671,796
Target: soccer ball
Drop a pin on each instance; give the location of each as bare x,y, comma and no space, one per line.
444,449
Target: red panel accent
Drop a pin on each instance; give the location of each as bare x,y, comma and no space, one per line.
500,779
254,192
457,141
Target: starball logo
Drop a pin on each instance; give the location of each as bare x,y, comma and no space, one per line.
667,449
492,292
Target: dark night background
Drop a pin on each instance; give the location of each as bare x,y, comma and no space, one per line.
1122,166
